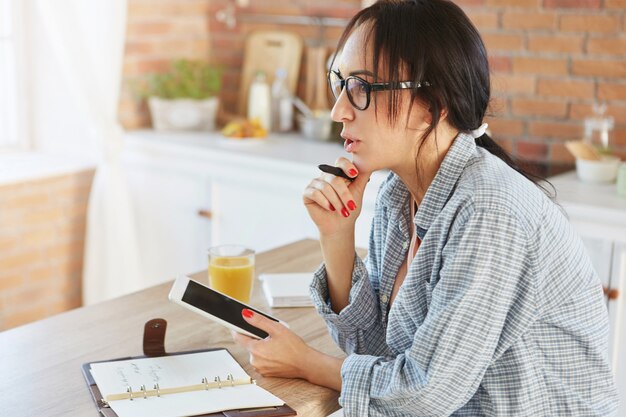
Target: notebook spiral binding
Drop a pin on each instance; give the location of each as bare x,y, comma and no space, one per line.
157,391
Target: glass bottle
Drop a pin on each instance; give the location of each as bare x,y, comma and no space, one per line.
282,105
598,128
259,100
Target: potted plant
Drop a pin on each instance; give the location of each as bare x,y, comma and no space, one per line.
185,98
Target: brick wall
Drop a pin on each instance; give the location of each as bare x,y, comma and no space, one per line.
551,59
157,32
42,229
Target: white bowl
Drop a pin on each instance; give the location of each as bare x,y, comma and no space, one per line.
317,127
602,171
183,113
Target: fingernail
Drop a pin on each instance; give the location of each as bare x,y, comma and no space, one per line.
351,205
353,172
247,313
344,212
332,208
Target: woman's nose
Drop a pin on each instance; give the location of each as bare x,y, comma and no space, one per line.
342,109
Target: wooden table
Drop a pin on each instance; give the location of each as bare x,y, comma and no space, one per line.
40,363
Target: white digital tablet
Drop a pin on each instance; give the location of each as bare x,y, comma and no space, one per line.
215,306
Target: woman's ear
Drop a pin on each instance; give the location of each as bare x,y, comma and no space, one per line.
419,116
443,114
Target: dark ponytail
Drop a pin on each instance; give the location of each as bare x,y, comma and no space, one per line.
490,145
432,41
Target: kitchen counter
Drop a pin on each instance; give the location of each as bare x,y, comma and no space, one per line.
285,161
592,203
295,154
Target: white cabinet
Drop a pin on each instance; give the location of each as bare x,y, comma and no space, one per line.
606,257
170,204
253,191
261,210
599,216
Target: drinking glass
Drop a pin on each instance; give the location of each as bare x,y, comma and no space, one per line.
231,271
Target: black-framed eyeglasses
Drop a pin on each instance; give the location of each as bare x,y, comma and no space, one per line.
359,90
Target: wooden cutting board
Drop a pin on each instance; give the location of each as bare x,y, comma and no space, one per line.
268,51
316,92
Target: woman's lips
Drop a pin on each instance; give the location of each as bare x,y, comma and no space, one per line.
350,144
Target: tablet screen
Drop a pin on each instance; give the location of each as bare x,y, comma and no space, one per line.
220,306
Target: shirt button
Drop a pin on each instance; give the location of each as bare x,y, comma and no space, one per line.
405,245
384,298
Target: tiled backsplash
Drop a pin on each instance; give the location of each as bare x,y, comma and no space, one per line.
551,59
42,234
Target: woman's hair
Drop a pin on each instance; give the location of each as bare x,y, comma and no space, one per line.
431,41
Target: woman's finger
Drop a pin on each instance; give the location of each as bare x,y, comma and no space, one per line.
328,185
347,166
340,186
259,321
357,187
314,195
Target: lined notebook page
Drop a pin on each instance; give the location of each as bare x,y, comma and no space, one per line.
176,371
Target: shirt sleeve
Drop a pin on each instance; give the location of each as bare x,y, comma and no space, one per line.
357,328
484,300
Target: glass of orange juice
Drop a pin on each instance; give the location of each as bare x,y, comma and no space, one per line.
231,271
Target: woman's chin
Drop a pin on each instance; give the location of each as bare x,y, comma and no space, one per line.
364,165
360,164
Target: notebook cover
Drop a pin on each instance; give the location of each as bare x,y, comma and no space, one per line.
281,411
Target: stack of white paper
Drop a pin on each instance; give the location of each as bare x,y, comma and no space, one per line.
287,290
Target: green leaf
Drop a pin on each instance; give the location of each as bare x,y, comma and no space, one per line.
186,79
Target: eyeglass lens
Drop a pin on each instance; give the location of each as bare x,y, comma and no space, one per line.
356,89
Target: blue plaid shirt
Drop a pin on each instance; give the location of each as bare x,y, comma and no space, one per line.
500,314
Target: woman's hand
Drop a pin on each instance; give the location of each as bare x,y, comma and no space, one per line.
282,353
334,203
285,355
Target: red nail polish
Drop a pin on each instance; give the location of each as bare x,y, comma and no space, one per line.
247,313
353,172
332,208
351,205
344,212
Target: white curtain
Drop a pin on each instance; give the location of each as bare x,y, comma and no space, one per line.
86,38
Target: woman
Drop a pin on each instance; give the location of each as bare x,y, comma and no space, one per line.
476,298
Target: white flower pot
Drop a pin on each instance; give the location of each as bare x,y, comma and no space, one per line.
183,114
602,171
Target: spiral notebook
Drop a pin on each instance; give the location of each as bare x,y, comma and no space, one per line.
201,383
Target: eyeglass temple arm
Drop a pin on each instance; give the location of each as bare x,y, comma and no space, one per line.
398,86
